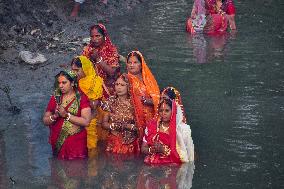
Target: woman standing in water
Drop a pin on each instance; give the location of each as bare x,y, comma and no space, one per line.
168,139
91,84
209,21
104,56
144,88
67,114
120,120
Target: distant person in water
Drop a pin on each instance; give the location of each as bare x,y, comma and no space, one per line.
202,21
227,6
76,7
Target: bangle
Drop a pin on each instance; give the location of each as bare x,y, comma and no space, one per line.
149,150
99,60
50,117
111,126
68,117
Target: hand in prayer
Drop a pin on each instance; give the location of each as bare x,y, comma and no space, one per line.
94,55
61,111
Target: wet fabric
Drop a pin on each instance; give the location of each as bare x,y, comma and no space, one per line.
146,87
121,141
75,144
92,86
178,140
206,18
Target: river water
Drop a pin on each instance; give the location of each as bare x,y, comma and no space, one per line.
233,92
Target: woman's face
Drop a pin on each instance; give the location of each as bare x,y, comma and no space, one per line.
79,71
165,112
64,84
121,87
133,65
97,39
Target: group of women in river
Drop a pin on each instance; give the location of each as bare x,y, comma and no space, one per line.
211,17
94,102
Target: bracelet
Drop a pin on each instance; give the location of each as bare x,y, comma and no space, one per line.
50,117
149,150
68,117
132,127
99,60
111,126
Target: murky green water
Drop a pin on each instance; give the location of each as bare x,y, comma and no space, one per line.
233,92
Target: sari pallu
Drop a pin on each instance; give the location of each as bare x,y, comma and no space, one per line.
178,140
67,144
121,141
91,85
148,88
109,54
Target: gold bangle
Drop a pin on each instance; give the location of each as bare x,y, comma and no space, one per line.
50,117
68,117
111,126
149,150
99,60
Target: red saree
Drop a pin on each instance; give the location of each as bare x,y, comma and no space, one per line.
206,18
109,54
152,135
68,145
178,140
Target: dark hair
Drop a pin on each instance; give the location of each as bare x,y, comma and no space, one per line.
67,76
76,61
71,78
124,77
166,101
136,55
98,28
170,93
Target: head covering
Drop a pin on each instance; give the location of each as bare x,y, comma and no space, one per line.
91,84
181,143
149,81
177,100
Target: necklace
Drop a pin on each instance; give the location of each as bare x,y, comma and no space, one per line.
163,127
67,100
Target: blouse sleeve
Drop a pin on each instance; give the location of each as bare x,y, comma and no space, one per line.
51,105
84,103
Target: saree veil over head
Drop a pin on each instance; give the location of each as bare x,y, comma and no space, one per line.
91,84
179,139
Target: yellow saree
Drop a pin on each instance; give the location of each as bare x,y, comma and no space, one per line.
92,86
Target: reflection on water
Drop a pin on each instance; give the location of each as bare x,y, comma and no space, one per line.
208,48
235,109
110,171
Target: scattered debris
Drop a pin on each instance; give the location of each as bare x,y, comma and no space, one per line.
32,58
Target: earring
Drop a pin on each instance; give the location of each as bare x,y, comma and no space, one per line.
105,38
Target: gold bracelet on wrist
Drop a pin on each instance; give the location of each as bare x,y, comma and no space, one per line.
50,117
149,150
68,116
